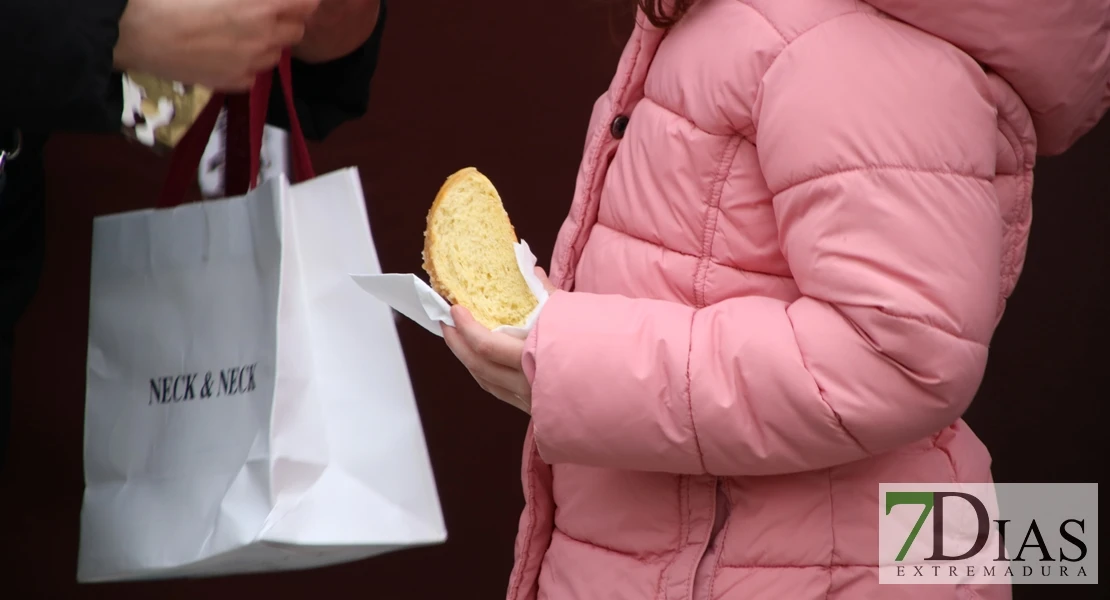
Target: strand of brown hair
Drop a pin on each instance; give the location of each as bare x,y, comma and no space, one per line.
658,15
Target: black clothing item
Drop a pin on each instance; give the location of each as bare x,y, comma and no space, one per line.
22,246
56,65
56,75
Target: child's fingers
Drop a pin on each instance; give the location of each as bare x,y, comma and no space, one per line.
482,368
542,276
499,348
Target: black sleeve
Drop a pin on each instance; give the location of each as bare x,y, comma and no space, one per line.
332,93
56,65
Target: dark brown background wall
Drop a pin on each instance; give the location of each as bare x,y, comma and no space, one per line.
506,86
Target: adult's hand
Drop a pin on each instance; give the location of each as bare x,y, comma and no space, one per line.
336,29
221,44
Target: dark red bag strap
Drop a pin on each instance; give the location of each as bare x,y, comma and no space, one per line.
241,154
300,157
187,155
246,121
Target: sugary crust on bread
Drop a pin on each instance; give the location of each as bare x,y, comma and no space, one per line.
463,175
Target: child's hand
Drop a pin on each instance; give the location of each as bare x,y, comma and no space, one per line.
493,359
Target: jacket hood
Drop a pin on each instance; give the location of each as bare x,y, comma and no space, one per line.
1054,53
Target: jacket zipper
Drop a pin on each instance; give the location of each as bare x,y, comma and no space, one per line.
704,554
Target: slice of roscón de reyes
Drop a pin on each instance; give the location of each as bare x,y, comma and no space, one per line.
469,255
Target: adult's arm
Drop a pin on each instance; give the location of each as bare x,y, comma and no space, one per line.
56,71
56,65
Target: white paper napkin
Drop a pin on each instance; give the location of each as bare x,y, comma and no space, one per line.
411,296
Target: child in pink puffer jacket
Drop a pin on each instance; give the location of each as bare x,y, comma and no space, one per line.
795,229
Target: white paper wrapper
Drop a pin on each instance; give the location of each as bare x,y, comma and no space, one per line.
409,295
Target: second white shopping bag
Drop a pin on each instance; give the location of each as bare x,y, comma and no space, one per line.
248,409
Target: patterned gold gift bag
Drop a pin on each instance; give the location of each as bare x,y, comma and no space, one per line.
158,112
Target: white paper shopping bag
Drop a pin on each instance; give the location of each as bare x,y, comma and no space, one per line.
247,409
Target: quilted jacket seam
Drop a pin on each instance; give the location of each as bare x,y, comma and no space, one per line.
832,525
821,391
709,230
713,213
767,20
642,558
750,132
921,321
949,459
968,592
1023,172
942,172
790,41
689,392
686,119
712,260
681,486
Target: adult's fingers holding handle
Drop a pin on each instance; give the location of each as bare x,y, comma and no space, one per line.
267,59
288,32
239,84
301,9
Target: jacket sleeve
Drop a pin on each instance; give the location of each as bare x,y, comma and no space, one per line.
56,65
879,156
330,94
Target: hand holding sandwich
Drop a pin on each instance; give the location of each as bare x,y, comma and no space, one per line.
469,256
492,358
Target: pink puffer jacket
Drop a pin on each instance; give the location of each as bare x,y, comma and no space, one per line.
795,228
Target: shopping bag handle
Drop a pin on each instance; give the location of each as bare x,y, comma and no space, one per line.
246,120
